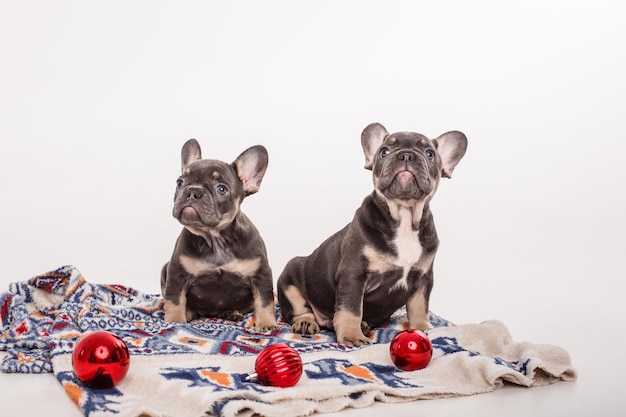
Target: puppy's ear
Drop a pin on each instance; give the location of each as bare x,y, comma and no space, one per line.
190,153
250,167
451,147
371,139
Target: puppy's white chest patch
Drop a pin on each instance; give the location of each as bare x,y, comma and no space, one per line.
407,245
242,267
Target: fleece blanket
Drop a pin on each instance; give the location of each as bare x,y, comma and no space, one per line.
199,368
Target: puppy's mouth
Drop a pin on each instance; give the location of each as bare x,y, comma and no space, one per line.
191,216
405,177
403,184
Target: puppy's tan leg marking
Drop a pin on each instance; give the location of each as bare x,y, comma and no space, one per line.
425,262
417,312
348,329
264,319
176,313
303,321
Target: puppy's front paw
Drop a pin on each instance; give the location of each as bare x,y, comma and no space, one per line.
422,325
349,328
353,338
305,326
265,327
265,319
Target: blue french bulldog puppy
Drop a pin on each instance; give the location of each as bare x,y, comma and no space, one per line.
219,266
383,259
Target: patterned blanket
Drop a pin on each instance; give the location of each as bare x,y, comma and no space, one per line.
199,368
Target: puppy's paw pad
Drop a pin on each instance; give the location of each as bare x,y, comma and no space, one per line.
305,327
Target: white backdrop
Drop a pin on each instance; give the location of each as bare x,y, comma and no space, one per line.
97,98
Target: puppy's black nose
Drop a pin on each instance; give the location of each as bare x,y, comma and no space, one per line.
406,156
194,194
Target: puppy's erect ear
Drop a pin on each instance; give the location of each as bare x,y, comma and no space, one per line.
190,153
451,147
250,167
371,139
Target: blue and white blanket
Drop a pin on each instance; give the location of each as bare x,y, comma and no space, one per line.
199,368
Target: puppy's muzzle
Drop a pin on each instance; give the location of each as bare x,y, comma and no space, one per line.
406,176
406,156
194,207
194,194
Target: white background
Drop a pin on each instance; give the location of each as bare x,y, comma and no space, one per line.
97,98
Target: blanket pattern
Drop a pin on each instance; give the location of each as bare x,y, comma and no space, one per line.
206,361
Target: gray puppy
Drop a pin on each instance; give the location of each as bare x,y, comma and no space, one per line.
383,259
219,267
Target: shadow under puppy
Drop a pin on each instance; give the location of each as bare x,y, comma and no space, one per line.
383,259
219,266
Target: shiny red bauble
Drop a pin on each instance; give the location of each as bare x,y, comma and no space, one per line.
277,365
100,359
411,350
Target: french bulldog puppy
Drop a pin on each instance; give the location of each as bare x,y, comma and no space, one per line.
219,266
383,259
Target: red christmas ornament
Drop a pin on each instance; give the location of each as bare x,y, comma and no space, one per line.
277,365
100,359
411,350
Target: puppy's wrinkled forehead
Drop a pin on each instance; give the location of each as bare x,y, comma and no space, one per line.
407,140
209,170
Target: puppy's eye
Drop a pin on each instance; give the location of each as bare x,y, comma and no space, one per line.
430,154
179,183
221,189
384,152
